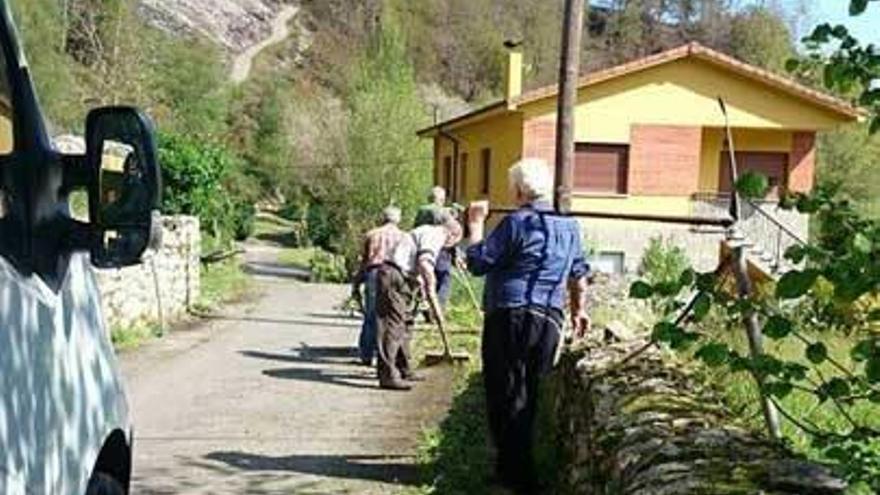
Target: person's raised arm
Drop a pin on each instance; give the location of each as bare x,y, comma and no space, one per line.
485,255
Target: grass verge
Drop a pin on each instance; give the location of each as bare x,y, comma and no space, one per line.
130,337
455,456
740,393
221,283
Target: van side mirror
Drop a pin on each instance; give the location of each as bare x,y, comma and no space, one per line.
124,185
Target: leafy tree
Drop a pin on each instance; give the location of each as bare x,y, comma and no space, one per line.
843,64
387,163
847,161
203,180
761,37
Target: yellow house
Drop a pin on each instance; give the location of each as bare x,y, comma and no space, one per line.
650,155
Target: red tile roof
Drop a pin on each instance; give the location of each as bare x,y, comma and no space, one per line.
692,49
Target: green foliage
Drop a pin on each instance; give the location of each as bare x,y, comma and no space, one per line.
847,161
752,185
387,163
759,36
836,293
221,283
199,179
88,53
662,263
328,268
843,64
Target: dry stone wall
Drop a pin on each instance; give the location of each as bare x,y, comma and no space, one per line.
643,426
163,286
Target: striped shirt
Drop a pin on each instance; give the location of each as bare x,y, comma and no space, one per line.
379,243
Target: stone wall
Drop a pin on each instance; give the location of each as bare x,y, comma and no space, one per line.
643,426
129,295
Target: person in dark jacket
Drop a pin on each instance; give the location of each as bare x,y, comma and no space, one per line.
533,260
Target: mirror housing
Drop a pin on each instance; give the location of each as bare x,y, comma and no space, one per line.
124,185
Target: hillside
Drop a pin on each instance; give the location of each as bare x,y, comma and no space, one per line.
234,25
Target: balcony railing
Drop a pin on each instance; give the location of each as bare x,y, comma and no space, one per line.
767,228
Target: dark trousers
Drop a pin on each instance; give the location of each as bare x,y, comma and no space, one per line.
519,345
394,299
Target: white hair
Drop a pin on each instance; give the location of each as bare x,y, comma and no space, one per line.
532,178
437,195
391,214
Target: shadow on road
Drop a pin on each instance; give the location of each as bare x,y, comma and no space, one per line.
388,469
280,321
348,358
279,270
336,316
364,380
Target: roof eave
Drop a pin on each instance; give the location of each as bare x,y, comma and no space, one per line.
467,118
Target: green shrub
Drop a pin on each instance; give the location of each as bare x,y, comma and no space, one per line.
200,179
663,261
328,267
244,220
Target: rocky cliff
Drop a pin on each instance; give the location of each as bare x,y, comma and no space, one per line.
233,24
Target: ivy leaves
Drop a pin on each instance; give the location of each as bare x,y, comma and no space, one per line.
795,283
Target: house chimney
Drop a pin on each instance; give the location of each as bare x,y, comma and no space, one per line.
513,75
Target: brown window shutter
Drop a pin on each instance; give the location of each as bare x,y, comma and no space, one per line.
485,169
601,168
447,171
463,167
771,165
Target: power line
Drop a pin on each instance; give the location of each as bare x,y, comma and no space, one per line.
336,164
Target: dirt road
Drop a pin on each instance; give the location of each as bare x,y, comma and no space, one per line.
242,63
268,398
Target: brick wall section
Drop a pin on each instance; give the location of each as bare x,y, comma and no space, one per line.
802,161
539,139
664,160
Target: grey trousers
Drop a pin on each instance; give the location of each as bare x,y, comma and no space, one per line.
394,306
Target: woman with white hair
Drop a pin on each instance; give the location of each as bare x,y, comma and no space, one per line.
530,261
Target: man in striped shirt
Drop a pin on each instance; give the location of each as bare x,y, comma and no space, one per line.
377,246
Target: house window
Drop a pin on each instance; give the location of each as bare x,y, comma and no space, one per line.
485,169
601,168
771,165
462,167
608,262
447,172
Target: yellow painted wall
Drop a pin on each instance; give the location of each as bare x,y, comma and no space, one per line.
503,135
683,92
645,205
743,140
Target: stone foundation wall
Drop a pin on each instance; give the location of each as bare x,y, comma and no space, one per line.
129,295
646,427
631,237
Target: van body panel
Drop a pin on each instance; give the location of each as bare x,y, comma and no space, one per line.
62,391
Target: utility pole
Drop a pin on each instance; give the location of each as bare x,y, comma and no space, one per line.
569,65
737,242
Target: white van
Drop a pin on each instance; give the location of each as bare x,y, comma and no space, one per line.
64,422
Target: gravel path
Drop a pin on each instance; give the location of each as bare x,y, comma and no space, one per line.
268,398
